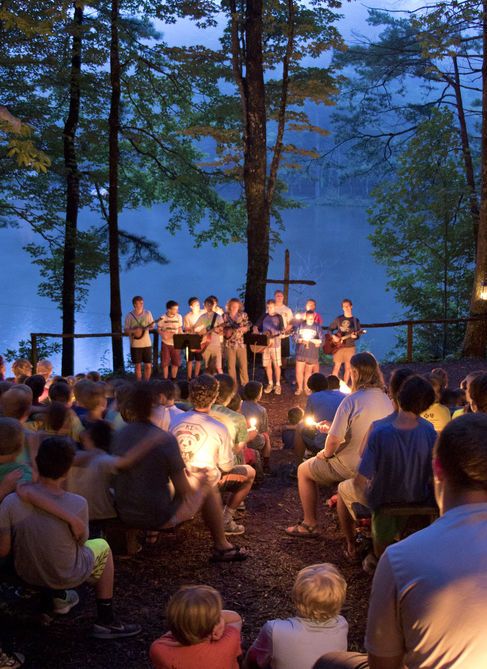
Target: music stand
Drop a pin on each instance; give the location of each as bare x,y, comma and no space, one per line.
189,342
255,340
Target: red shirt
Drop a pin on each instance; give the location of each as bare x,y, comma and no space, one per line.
167,653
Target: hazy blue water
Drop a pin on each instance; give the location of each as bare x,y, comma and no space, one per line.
328,244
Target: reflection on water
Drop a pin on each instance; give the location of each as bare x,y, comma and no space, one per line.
327,243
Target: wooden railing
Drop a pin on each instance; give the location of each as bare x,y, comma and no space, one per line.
409,324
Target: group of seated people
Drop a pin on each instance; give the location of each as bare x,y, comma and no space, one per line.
153,455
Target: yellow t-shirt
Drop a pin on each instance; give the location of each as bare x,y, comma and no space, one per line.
438,415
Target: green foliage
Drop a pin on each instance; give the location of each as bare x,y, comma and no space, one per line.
423,234
45,349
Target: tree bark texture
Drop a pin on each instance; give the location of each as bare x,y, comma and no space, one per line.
72,195
255,163
113,159
475,341
467,154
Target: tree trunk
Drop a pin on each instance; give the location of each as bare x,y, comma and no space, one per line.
72,196
113,159
467,154
475,341
255,164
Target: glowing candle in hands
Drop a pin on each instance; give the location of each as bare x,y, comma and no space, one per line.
253,425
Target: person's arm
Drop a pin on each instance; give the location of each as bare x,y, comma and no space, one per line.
137,452
259,655
331,446
9,482
384,638
32,494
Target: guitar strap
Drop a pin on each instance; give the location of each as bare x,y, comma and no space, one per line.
213,320
136,319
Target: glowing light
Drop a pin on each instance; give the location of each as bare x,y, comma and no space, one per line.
253,425
307,335
344,388
310,421
483,291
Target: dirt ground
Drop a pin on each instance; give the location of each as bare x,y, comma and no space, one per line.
259,589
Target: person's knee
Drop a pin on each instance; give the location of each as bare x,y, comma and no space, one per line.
303,471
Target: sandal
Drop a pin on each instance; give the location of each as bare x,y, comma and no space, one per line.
233,554
310,531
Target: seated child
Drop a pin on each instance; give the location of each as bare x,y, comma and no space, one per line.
182,401
91,475
201,634
165,411
91,402
294,416
318,596
437,414
45,552
256,416
37,383
11,445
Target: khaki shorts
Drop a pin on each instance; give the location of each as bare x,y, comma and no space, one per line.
191,503
344,354
322,471
350,493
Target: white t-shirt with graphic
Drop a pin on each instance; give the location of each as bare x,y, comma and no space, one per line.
204,442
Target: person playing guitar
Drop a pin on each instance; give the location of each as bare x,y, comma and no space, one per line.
345,330
209,325
235,324
138,322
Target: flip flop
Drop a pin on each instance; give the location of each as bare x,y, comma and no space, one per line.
233,554
310,531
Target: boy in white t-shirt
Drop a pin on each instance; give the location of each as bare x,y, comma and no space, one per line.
189,322
169,325
318,595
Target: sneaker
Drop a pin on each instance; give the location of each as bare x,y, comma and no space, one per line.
63,605
277,389
231,527
268,388
12,661
115,630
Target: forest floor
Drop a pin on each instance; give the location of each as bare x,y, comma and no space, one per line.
259,588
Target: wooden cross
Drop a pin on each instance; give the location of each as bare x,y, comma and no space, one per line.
287,281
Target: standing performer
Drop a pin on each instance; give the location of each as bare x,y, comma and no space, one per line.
189,321
235,324
271,324
308,340
169,325
345,330
208,326
138,322
287,317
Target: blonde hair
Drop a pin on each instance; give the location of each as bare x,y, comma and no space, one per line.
319,592
192,613
44,367
21,367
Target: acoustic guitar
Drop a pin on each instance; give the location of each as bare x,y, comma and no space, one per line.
330,347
